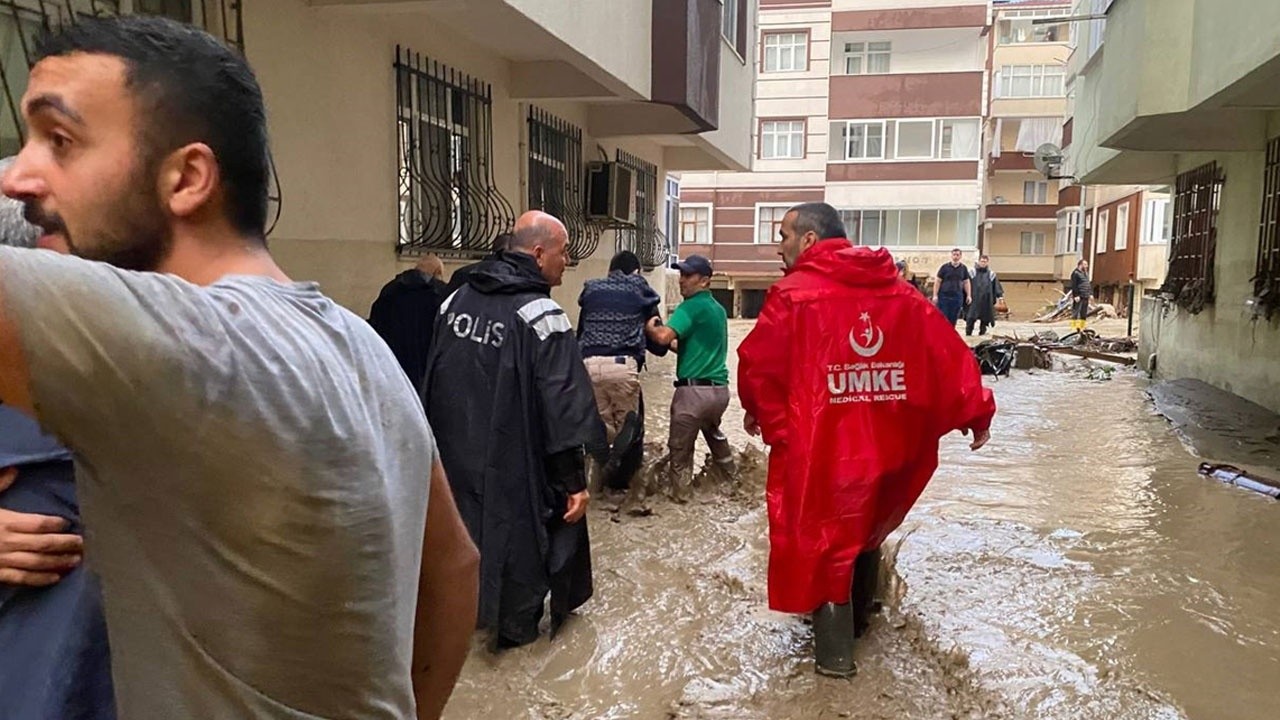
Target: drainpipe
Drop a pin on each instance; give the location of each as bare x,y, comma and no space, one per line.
1093,229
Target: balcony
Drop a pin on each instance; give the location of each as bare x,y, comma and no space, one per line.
1011,160
1022,213
1024,267
906,95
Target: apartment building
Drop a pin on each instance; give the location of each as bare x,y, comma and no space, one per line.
428,126
1182,93
1029,44
874,106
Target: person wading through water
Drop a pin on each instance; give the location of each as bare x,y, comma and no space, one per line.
986,291
851,378
514,411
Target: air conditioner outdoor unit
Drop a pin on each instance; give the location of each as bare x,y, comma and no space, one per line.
611,193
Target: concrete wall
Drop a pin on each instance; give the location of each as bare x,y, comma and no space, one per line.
1223,345
330,90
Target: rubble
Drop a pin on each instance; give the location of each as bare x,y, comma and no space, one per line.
1000,354
1062,311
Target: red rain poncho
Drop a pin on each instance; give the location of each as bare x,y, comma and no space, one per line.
853,377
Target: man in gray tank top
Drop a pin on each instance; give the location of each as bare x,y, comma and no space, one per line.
257,477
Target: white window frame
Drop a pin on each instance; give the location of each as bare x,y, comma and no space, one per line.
1068,232
774,237
799,51
847,54
711,223
769,141
1039,191
671,209
895,156
895,240
866,158
1047,13
933,138
1100,236
1122,227
1034,74
1154,214
729,30
1035,237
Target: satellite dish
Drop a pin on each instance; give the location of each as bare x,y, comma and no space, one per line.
1048,159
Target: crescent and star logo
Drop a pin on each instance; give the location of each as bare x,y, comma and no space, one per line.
872,338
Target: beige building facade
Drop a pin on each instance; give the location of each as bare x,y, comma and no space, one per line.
1183,94
401,128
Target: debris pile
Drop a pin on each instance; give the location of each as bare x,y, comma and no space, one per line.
1000,354
1062,311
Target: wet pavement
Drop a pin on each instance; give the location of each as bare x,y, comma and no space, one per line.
1075,568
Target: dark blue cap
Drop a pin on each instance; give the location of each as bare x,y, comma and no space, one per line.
694,265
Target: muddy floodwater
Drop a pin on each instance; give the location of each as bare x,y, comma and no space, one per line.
1075,568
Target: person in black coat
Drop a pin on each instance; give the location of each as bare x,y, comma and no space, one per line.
513,410
404,314
986,290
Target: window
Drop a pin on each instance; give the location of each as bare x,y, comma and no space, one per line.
1100,232
945,139
1193,247
1097,28
915,139
671,213
1157,217
862,140
958,139
556,177
644,238
729,10
923,228
447,195
1068,242
1266,281
695,224
1122,227
781,139
1017,26
769,222
1022,81
867,58
1033,243
1035,192
786,52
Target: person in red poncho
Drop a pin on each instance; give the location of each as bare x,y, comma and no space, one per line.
852,377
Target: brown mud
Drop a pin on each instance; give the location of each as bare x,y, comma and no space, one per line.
1076,568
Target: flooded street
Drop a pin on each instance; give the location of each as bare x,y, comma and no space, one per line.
1075,568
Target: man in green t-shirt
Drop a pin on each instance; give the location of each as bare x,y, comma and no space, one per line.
698,331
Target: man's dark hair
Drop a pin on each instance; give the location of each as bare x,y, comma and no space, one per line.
502,242
626,261
818,218
1080,262
190,88
985,257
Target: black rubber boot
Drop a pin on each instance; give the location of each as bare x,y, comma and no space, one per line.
833,640
866,579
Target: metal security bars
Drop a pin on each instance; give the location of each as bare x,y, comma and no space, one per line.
449,201
1266,282
646,240
556,177
23,21
1195,237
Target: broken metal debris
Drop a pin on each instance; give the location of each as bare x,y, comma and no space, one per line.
1061,310
1000,354
1235,476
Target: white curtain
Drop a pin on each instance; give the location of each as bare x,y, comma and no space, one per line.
1034,132
995,144
965,139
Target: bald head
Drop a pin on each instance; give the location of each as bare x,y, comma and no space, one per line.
14,229
544,237
431,265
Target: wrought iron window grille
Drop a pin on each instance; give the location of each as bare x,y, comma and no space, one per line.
23,21
1189,281
556,179
449,202
1266,281
645,239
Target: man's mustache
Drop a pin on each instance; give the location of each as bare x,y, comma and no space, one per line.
49,222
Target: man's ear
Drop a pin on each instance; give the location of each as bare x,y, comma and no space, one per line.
189,178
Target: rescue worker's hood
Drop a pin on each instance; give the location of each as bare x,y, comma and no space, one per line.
412,279
850,265
509,273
